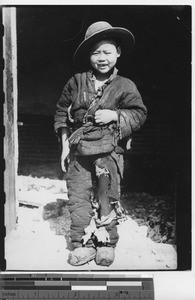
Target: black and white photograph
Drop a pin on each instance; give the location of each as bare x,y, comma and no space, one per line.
97,146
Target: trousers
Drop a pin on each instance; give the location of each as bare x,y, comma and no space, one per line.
89,176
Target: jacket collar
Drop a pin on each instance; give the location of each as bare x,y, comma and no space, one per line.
92,77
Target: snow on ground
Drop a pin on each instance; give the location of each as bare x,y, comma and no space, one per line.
35,246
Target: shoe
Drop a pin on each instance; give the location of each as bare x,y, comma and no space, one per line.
105,256
81,256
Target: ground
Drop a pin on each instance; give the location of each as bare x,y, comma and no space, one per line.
40,240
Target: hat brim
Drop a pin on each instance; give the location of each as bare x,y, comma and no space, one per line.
123,36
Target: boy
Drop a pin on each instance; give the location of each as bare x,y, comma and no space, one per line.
97,110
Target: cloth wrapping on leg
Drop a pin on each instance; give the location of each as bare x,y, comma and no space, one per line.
100,233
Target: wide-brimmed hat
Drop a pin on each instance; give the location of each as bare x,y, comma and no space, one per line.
100,31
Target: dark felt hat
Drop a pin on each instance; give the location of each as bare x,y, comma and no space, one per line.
100,31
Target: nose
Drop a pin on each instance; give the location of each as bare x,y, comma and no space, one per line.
101,56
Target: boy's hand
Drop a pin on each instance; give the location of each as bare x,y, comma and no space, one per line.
64,155
65,148
105,116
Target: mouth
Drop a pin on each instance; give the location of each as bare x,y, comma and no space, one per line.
102,66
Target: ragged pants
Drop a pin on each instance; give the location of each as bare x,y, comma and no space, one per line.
82,172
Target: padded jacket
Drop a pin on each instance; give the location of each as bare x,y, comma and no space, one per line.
118,93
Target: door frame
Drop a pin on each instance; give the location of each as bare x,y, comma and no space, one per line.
10,117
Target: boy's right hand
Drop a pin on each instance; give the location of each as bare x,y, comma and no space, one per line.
64,155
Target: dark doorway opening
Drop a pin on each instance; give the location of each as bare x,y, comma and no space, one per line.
159,65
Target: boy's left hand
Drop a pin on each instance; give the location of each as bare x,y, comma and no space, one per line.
105,116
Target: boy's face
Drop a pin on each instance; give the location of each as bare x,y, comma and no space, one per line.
104,55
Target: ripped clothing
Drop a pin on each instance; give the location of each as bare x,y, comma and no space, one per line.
93,184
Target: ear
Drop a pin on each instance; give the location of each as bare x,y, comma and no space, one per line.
118,49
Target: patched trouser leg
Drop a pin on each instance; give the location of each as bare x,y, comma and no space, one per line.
107,166
108,192
79,184
104,201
